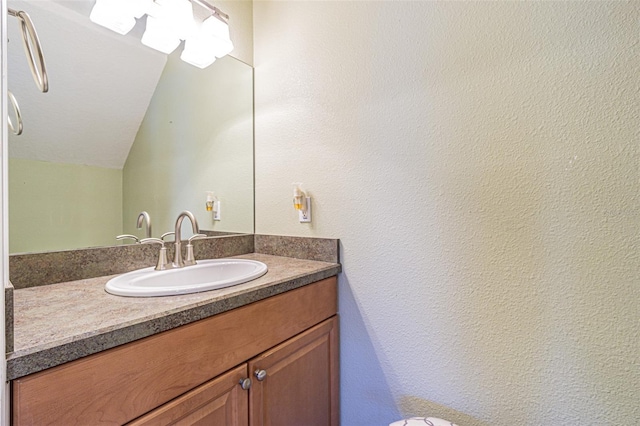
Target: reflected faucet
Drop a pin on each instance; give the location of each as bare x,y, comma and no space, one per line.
178,262
144,217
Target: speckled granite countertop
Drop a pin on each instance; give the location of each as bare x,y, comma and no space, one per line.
62,322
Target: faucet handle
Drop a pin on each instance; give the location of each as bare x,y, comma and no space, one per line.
128,236
166,234
196,237
152,241
191,259
162,263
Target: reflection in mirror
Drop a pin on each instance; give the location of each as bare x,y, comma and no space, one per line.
123,129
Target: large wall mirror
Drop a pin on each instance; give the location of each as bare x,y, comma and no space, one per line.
123,129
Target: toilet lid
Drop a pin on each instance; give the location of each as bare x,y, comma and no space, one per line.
423,421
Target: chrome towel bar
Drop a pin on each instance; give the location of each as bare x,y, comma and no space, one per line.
33,49
17,129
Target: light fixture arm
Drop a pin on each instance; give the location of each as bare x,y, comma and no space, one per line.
214,10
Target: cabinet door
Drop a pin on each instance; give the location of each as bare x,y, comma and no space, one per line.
219,402
300,383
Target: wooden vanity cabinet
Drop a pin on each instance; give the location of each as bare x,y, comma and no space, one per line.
295,383
191,375
221,401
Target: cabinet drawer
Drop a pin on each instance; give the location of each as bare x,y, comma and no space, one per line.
121,384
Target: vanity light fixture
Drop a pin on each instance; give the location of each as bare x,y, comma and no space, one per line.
168,22
119,15
210,41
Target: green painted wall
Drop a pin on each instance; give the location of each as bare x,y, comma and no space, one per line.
77,206
197,136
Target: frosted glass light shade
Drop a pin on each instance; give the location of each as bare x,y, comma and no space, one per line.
182,17
139,7
175,15
218,32
113,14
160,36
197,52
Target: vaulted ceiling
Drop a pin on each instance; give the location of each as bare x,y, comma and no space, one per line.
100,85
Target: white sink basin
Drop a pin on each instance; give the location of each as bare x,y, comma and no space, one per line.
206,275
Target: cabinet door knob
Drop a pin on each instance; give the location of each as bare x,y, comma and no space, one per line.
245,383
260,375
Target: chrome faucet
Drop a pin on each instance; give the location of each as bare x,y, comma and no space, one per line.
178,262
144,217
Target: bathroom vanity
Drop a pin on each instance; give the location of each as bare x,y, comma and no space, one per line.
264,352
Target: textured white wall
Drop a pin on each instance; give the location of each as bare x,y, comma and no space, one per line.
480,163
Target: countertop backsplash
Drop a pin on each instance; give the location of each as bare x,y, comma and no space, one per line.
39,269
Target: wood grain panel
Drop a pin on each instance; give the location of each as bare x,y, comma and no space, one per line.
121,384
220,401
301,386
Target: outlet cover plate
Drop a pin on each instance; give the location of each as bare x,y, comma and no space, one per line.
306,216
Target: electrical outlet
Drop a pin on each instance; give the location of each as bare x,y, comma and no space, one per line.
306,216
216,215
